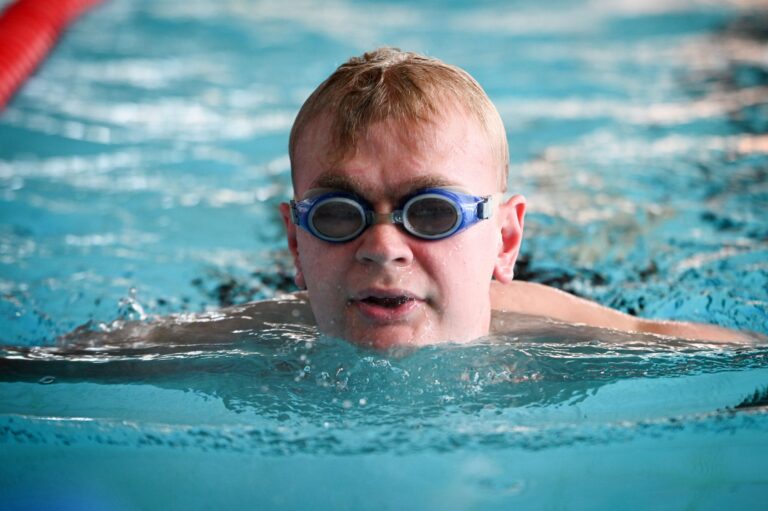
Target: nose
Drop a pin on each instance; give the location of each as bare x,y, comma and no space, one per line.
384,244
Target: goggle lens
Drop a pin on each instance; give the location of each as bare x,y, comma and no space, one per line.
431,216
337,219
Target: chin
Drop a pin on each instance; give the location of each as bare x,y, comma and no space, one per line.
394,336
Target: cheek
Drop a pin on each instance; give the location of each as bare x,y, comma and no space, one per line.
468,265
485,249
323,264
475,251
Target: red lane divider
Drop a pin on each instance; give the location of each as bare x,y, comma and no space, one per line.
28,31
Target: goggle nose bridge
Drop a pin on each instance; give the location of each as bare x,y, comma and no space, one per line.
373,218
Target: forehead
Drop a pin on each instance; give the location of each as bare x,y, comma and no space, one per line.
392,158
344,182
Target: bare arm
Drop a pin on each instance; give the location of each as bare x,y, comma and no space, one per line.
221,326
540,300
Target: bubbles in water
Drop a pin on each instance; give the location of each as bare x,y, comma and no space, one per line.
130,308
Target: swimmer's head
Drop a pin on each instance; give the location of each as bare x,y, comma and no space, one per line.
403,88
378,133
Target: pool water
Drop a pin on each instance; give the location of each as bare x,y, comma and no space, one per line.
140,173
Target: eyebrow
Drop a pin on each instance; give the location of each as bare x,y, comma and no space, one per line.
351,184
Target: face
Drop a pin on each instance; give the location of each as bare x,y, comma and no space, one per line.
387,288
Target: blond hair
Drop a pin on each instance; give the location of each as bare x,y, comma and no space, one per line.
388,84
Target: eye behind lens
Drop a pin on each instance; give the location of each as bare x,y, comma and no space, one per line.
337,219
431,216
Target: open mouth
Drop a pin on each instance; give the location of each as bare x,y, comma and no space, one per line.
386,306
388,302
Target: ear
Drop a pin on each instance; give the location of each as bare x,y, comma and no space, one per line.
511,215
290,230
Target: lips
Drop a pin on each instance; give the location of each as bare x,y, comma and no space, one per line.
386,305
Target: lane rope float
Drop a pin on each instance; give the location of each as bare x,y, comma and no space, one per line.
28,31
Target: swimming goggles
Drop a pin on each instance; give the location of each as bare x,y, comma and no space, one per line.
429,214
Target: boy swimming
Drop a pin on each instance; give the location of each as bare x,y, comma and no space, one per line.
399,230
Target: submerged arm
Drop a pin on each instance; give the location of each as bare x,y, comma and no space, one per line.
540,300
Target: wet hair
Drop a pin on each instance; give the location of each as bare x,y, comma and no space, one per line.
388,84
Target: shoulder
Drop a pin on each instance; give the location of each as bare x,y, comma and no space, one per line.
291,308
529,297
540,300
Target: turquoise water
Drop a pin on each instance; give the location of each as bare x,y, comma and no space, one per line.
140,171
